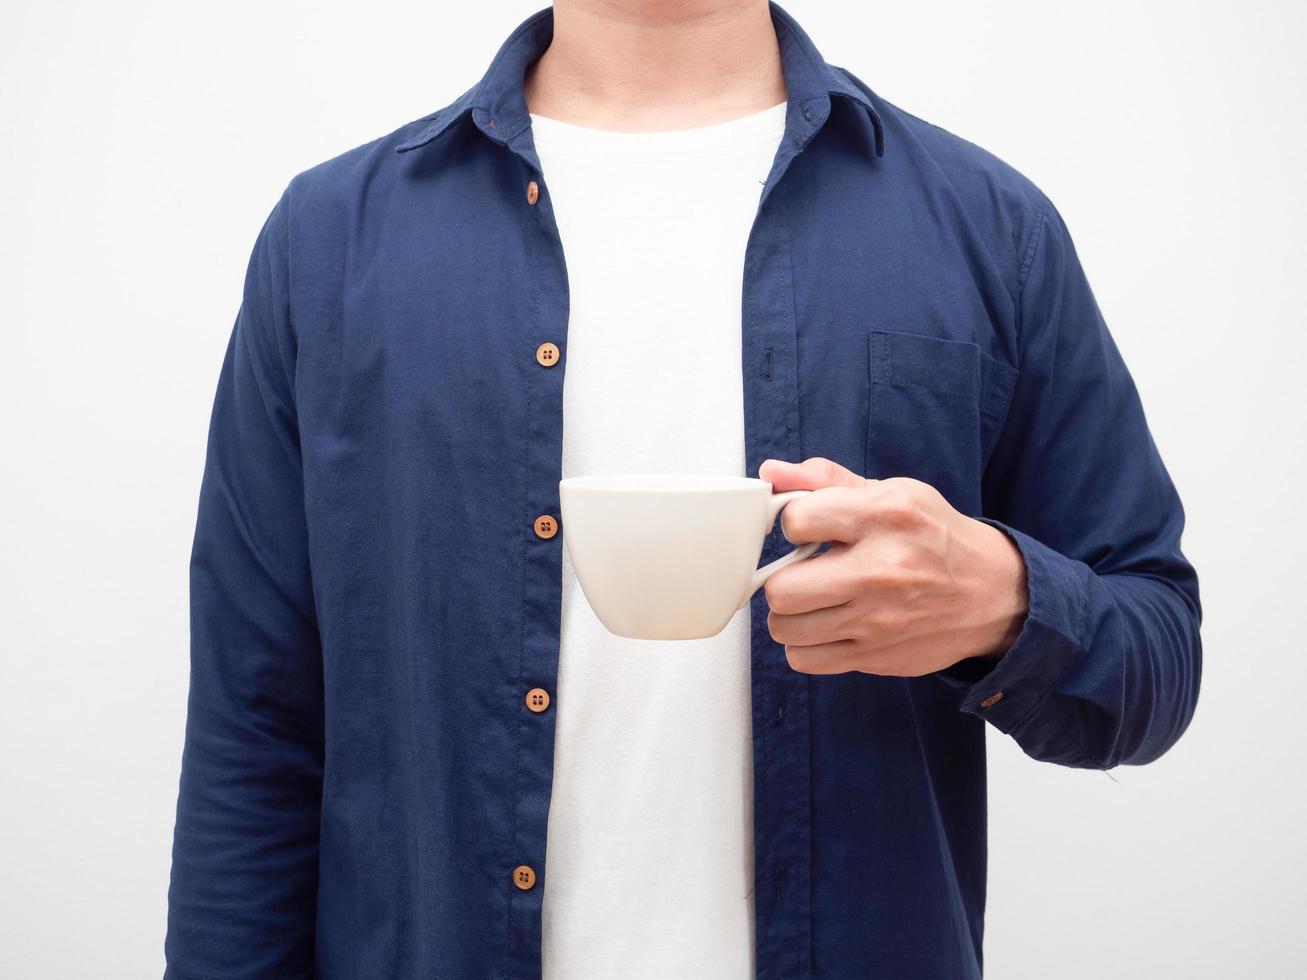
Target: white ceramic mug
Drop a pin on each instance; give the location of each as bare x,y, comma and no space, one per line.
671,557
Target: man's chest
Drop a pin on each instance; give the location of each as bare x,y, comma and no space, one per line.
862,336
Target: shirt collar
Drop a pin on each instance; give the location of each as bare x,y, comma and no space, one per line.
498,107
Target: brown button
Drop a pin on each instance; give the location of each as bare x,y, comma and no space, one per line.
992,700
546,355
537,699
524,877
546,527
532,192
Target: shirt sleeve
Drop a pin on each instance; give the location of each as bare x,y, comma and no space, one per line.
1106,667
244,872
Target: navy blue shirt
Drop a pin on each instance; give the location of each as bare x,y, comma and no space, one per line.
370,602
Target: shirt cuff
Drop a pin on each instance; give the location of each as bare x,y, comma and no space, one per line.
1046,649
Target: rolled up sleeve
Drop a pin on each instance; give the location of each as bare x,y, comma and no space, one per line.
1106,668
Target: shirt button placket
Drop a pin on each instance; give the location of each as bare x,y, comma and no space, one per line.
547,355
545,527
537,668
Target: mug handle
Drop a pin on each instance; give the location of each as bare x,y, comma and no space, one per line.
777,504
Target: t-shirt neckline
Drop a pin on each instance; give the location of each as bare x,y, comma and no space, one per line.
739,134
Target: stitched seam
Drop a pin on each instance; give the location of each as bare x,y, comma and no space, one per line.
1030,712
522,28
813,127
803,927
790,369
515,134
524,536
871,404
938,389
879,378
1023,272
1082,629
284,234
999,386
1036,237
816,69
1083,617
279,228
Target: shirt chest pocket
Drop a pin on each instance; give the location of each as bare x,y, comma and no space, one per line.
936,408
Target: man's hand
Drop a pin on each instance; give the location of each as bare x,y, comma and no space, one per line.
907,587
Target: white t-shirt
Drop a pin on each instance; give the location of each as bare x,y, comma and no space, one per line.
649,865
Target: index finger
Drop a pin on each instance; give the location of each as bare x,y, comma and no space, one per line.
829,514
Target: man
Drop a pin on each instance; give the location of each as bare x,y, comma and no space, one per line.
656,237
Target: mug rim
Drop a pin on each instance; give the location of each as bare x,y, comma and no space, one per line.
663,483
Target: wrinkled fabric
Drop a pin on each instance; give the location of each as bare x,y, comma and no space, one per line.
370,603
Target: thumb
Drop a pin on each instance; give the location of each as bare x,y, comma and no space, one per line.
813,473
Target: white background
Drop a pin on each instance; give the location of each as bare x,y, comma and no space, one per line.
144,143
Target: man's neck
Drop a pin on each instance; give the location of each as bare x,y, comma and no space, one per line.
673,64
